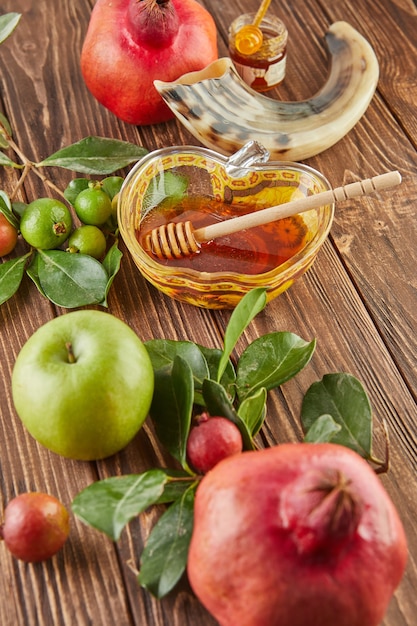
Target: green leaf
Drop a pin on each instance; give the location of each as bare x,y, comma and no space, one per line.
71,280
343,397
253,409
112,185
19,208
249,306
270,361
109,504
6,209
219,404
111,264
322,430
172,406
6,124
96,155
213,357
8,23
163,352
177,484
4,160
74,187
32,272
164,186
164,558
11,274
5,133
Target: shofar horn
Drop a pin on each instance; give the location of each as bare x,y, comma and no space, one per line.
224,113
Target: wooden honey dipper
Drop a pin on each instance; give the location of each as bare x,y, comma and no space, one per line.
178,239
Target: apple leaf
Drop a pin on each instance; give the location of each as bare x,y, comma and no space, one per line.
164,558
71,280
322,430
270,361
11,274
8,23
172,406
109,504
219,404
342,397
95,155
248,307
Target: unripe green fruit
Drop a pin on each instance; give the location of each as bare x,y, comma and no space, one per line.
46,223
93,206
89,240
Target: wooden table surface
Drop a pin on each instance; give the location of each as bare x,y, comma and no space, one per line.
359,299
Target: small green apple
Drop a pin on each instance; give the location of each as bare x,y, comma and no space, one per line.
83,384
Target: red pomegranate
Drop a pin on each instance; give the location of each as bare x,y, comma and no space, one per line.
131,43
293,535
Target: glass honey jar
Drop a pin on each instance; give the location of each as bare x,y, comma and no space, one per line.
265,68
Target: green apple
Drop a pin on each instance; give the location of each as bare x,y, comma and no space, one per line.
83,384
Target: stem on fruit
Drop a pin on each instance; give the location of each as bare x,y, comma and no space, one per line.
321,510
192,478
153,23
70,353
59,228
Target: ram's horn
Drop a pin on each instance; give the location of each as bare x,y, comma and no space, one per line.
223,113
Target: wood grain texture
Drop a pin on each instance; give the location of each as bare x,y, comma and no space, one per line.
359,299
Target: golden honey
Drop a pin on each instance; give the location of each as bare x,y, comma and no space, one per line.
264,69
251,251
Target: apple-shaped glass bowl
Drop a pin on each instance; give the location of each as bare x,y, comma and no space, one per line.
197,184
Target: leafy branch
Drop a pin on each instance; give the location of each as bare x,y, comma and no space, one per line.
68,280
189,379
86,280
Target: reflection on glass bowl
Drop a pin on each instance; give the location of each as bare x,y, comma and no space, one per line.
187,182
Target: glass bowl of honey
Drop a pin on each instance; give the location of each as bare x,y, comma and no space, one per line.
188,183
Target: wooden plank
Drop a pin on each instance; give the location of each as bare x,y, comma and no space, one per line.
362,313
